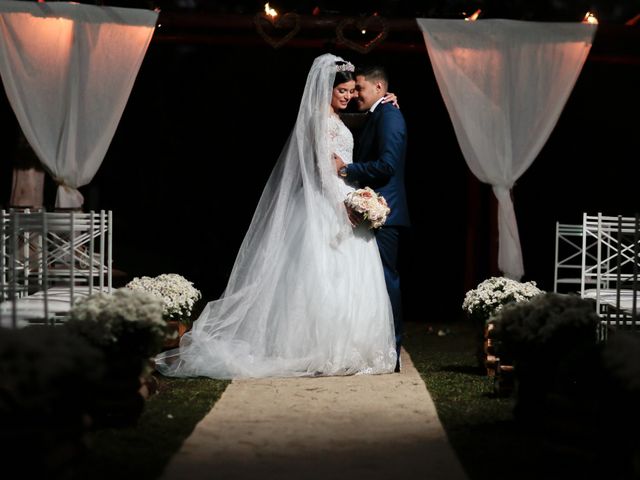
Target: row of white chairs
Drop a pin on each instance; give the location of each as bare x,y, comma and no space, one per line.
50,259
600,259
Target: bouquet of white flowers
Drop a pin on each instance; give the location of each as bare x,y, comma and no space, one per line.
124,320
492,294
178,295
369,206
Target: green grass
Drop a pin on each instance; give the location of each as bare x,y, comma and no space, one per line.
142,451
480,425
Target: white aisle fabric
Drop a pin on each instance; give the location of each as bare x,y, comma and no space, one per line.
505,83
68,70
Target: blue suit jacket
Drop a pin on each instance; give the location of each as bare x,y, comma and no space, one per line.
379,160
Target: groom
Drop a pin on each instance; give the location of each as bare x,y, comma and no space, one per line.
378,162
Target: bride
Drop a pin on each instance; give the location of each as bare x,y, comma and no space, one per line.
306,295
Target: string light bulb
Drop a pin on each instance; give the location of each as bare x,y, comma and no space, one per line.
473,17
270,12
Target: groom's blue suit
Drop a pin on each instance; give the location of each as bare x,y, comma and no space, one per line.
379,163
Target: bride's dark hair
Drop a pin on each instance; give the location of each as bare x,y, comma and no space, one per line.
343,75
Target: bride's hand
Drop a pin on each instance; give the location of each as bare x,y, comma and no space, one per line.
391,97
354,217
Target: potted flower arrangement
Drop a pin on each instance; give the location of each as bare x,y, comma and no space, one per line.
482,303
178,296
491,295
551,341
128,326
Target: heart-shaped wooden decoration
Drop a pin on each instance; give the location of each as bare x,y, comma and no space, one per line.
373,23
290,21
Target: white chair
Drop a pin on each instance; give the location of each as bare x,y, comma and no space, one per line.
14,262
569,248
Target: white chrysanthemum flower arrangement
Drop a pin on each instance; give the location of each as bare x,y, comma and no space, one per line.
488,298
178,295
125,320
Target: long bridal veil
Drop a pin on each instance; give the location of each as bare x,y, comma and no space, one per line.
271,318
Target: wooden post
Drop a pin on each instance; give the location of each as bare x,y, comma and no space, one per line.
27,188
473,224
482,233
494,237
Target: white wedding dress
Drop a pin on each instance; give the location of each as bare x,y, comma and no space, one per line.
307,295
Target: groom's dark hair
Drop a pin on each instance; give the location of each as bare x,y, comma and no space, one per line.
375,73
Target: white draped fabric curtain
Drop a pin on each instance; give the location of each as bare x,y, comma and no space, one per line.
68,70
505,83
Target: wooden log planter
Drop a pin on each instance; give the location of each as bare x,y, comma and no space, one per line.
501,370
176,330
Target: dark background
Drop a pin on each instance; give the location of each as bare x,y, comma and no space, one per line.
213,105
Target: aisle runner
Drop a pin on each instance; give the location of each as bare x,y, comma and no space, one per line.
359,427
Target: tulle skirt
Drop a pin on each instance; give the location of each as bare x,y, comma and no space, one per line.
317,306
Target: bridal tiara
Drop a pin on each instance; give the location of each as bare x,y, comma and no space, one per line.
345,67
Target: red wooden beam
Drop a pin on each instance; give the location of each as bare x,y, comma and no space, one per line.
613,43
